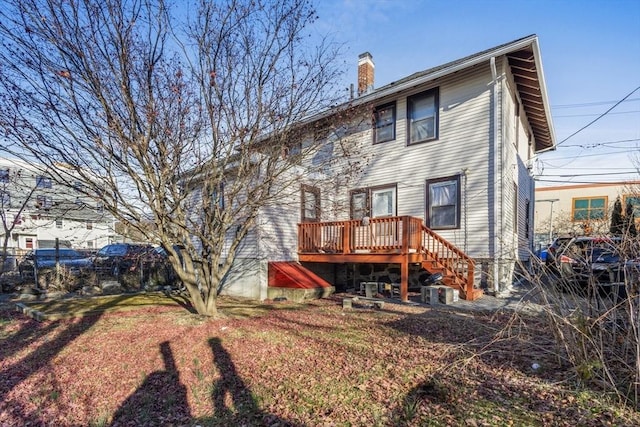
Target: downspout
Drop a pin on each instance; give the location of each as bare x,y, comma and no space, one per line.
496,168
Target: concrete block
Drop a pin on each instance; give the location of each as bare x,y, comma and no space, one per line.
370,289
445,294
429,295
347,304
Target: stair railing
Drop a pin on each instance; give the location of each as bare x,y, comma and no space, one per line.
452,259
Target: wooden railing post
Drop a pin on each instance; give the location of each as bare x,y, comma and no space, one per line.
346,238
405,234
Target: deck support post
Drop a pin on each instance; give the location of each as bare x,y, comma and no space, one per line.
404,280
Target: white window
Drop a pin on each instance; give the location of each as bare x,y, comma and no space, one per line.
383,202
422,111
43,182
310,204
58,223
385,123
373,202
44,202
443,203
5,199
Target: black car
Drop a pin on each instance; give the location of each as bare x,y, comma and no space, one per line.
584,260
122,258
42,260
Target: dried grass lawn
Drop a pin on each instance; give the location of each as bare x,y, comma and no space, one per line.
149,361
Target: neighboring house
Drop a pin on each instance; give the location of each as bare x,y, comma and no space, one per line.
38,210
575,209
447,184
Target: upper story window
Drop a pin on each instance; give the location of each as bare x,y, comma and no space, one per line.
310,204
43,182
422,114
58,223
89,224
589,208
217,197
4,176
44,202
443,203
385,123
5,199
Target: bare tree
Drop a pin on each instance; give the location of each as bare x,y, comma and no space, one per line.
184,125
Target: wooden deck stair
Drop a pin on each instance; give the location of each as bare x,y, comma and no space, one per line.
398,240
457,268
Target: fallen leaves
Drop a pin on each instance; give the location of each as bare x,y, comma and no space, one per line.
312,366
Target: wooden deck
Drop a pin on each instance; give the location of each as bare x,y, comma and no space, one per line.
400,240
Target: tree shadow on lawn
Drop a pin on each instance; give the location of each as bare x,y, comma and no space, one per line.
29,332
160,400
38,360
233,401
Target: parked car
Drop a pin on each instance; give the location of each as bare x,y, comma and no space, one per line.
121,258
554,248
169,272
42,260
584,260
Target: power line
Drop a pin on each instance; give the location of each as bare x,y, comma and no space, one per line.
590,174
591,115
591,168
575,157
591,104
605,143
599,117
575,182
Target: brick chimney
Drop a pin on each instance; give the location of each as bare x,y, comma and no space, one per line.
365,73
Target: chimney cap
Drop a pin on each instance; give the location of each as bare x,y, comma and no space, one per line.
365,55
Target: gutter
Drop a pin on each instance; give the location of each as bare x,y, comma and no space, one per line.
497,199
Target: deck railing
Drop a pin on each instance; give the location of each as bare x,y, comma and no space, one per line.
390,235
449,256
375,235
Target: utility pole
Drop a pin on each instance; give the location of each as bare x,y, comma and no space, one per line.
552,201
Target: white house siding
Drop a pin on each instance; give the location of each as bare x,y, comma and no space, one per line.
65,216
481,138
464,132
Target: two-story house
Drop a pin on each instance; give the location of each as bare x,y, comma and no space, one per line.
37,210
447,184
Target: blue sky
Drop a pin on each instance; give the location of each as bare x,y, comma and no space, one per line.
590,53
